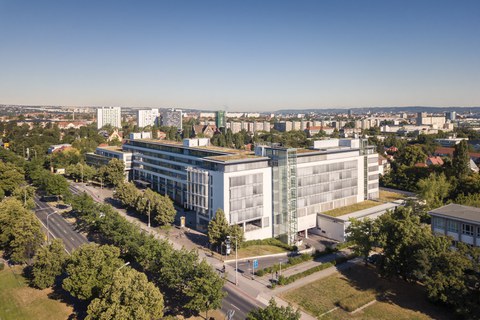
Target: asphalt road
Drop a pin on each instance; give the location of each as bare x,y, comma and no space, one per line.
238,301
245,267
58,227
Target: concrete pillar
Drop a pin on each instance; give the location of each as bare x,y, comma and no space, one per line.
306,233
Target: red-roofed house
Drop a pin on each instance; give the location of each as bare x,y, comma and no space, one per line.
434,161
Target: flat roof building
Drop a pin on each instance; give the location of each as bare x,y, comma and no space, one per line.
272,192
461,223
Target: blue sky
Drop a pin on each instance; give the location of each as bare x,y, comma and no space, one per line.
240,55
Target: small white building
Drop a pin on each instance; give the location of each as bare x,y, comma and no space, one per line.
461,223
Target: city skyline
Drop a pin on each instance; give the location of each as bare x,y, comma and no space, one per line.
244,56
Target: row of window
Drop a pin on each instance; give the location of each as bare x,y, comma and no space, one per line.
454,226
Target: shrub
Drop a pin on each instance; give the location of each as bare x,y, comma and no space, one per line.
260,272
2,266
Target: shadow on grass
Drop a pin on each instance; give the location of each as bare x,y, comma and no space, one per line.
409,296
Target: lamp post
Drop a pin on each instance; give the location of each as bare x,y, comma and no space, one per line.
149,213
48,229
236,258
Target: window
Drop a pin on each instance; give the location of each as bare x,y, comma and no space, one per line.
467,229
439,222
478,232
452,226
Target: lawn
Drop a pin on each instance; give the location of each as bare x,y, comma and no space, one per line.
388,196
258,250
352,208
18,301
358,286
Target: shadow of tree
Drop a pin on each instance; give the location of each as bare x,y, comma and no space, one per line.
411,296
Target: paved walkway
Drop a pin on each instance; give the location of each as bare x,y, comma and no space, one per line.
257,287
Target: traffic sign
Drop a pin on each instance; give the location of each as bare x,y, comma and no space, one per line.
255,264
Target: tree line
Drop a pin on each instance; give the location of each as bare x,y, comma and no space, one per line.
156,206
410,251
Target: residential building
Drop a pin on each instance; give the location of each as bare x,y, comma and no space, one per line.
434,161
148,117
172,118
461,223
275,191
109,115
436,122
204,130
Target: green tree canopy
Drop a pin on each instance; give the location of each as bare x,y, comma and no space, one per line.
113,173
364,234
48,264
274,312
218,228
129,296
90,269
461,159
434,190
20,231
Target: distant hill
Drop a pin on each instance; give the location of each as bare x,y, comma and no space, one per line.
410,109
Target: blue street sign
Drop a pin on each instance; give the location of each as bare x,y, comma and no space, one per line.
255,264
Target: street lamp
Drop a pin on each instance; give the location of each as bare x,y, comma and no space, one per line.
48,229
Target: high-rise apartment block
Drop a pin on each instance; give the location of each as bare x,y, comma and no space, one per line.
172,118
148,117
272,192
109,115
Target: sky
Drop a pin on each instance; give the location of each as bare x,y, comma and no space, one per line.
240,55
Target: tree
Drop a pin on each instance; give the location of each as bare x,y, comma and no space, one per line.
218,228
461,159
410,155
363,234
26,194
56,185
164,210
20,231
434,190
130,296
274,312
90,269
10,176
113,173
127,193
48,264
205,290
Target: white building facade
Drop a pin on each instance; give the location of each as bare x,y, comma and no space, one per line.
274,192
148,117
109,115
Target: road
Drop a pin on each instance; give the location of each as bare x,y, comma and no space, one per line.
245,267
238,301
59,228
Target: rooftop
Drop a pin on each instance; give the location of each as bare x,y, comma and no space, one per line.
459,212
180,144
111,148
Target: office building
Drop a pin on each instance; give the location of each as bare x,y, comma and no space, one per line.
461,223
109,115
172,118
220,119
103,155
272,192
148,117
